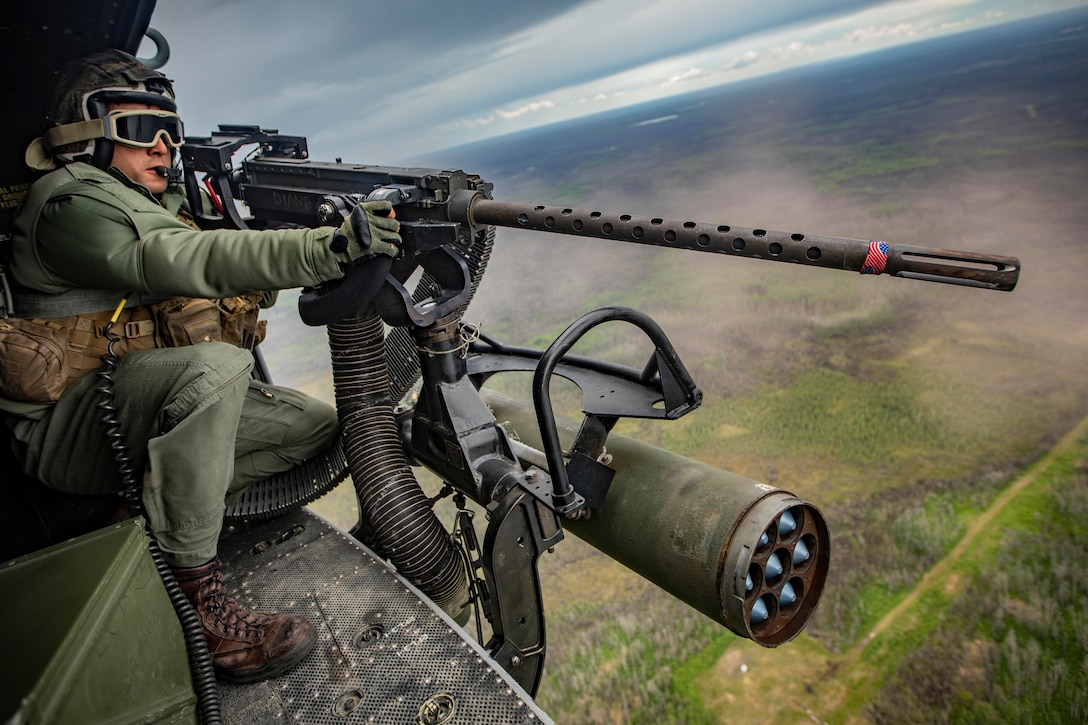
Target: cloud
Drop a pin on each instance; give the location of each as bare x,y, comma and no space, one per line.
956,24
746,58
874,32
515,46
685,76
500,114
534,107
415,76
791,50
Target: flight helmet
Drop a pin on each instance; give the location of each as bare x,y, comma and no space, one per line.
81,127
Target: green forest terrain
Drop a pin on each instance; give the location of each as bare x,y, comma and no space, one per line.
939,429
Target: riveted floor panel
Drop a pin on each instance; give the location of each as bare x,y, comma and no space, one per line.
385,654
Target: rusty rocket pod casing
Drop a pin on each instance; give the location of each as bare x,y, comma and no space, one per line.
748,555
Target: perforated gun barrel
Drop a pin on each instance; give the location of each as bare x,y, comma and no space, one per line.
857,255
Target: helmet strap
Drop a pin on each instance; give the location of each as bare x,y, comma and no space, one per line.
102,154
75,133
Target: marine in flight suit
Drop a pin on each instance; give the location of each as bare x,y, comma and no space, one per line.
107,224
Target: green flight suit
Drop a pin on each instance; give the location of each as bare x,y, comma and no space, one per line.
197,425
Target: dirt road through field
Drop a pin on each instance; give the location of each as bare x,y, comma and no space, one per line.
847,674
939,574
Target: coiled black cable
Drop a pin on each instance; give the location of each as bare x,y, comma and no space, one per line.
114,435
200,660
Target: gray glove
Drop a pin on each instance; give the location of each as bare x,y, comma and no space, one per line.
368,230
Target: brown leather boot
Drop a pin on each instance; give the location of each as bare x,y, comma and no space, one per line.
246,646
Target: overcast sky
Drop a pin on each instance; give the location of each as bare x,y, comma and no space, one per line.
379,82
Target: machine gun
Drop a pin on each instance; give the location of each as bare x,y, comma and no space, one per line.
748,555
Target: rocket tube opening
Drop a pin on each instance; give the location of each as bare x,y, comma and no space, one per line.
775,566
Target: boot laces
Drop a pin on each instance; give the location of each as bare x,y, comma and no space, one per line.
227,613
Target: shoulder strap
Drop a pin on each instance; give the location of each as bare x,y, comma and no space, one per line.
7,304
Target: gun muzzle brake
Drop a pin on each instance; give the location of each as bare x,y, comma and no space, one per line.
962,268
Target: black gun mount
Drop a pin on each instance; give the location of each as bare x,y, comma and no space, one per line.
752,557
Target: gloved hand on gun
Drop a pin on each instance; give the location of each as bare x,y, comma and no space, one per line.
369,230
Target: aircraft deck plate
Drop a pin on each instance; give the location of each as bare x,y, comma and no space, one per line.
385,653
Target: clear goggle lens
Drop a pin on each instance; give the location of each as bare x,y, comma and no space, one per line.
142,128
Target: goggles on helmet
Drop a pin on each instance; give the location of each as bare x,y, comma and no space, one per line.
142,128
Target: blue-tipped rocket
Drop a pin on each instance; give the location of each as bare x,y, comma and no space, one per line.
788,595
